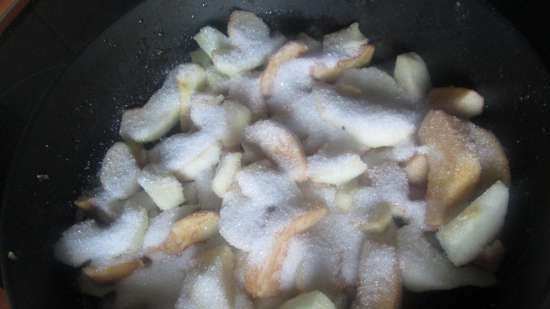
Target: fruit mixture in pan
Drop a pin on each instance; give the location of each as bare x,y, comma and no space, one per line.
285,172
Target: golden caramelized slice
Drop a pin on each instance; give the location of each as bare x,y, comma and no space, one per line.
262,280
458,101
379,274
112,273
454,167
196,227
290,50
280,145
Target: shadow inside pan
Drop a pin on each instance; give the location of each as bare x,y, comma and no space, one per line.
464,43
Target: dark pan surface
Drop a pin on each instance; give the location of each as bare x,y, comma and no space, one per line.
464,43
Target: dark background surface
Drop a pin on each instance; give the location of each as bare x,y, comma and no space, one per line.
49,34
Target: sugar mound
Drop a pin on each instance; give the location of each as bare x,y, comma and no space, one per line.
87,241
157,285
160,225
119,171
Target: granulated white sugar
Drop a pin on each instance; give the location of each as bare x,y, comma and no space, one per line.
245,89
209,118
119,171
87,241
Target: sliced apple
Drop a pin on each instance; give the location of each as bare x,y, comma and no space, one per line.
290,50
87,241
372,83
311,43
190,78
160,226
119,171
458,101
335,170
326,72
193,228
211,39
238,118
165,189
262,280
417,169
377,218
424,268
246,90
379,283
217,81
225,173
454,169
465,237
310,300
411,73
112,273
201,58
142,200
280,145
344,196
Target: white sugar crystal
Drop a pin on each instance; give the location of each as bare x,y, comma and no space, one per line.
424,268
266,186
142,200
87,241
207,198
156,117
205,290
335,170
157,285
374,84
119,171
245,89
165,189
160,225
209,118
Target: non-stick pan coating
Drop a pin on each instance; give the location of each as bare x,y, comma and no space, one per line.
464,43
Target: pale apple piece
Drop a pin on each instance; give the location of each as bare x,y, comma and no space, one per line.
411,73
344,196
424,268
210,39
290,50
378,218
163,188
379,279
238,118
417,169
465,237
187,155
194,228
112,273
494,163
190,78
280,145
491,256
454,168
246,90
347,41
457,101
87,241
119,171
206,98
310,300
311,43
335,170
274,302
217,82
201,58
372,83
325,72
225,173
262,280
142,200
370,125
160,226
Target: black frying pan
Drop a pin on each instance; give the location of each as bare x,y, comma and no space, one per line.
464,43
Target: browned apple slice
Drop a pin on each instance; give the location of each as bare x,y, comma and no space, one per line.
290,50
112,273
454,167
458,101
262,280
196,227
329,73
280,145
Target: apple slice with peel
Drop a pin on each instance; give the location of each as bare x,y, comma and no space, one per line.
465,237
379,275
331,72
280,145
454,166
458,101
290,50
310,300
112,273
196,227
87,241
372,83
119,171
335,170
424,268
165,189
160,226
225,173
411,73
